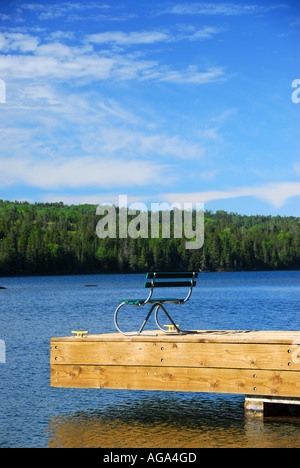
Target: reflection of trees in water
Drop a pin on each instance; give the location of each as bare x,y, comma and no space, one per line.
171,421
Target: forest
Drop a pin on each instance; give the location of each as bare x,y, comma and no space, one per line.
55,239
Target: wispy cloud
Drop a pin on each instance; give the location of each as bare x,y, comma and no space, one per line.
91,107
193,75
80,172
56,66
275,193
55,60
121,38
151,37
225,9
67,10
73,125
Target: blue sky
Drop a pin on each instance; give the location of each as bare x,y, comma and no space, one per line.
172,101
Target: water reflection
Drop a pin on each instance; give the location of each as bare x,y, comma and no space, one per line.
170,421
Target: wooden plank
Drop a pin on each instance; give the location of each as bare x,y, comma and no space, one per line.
274,399
164,354
237,381
200,336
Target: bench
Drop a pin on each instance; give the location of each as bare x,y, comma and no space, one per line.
156,281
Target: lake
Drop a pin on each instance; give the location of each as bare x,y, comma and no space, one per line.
35,309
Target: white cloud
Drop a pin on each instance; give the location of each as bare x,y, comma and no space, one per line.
35,58
113,140
36,92
67,10
18,42
47,66
58,61
149,37
80,172
112,108
193,75
275,193
205,33
121,38
71,125
61,51
225,9
163,145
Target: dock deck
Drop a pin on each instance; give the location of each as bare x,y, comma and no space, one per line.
264,363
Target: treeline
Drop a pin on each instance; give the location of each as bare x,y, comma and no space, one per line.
53,238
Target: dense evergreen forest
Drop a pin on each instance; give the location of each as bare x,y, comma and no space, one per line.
53,238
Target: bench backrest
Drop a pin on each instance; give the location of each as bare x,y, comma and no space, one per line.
170,280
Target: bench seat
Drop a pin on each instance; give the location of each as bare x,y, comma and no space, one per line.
151,301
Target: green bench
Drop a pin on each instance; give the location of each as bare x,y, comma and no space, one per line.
156,281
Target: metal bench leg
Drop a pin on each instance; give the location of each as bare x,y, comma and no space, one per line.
171,320
140,332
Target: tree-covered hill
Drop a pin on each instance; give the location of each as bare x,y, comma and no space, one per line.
53,238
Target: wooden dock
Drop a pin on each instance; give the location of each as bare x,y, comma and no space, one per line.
262,365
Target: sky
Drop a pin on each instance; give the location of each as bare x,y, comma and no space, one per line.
163,101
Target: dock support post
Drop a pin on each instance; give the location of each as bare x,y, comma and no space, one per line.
254,408
260,406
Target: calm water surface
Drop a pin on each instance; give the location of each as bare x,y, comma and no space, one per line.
32,414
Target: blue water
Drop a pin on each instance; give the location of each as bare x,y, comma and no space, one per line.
32,414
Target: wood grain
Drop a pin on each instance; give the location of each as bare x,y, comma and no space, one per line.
228,355
237,381
224,361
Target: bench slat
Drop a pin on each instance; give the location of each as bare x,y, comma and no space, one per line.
172,275
169,284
